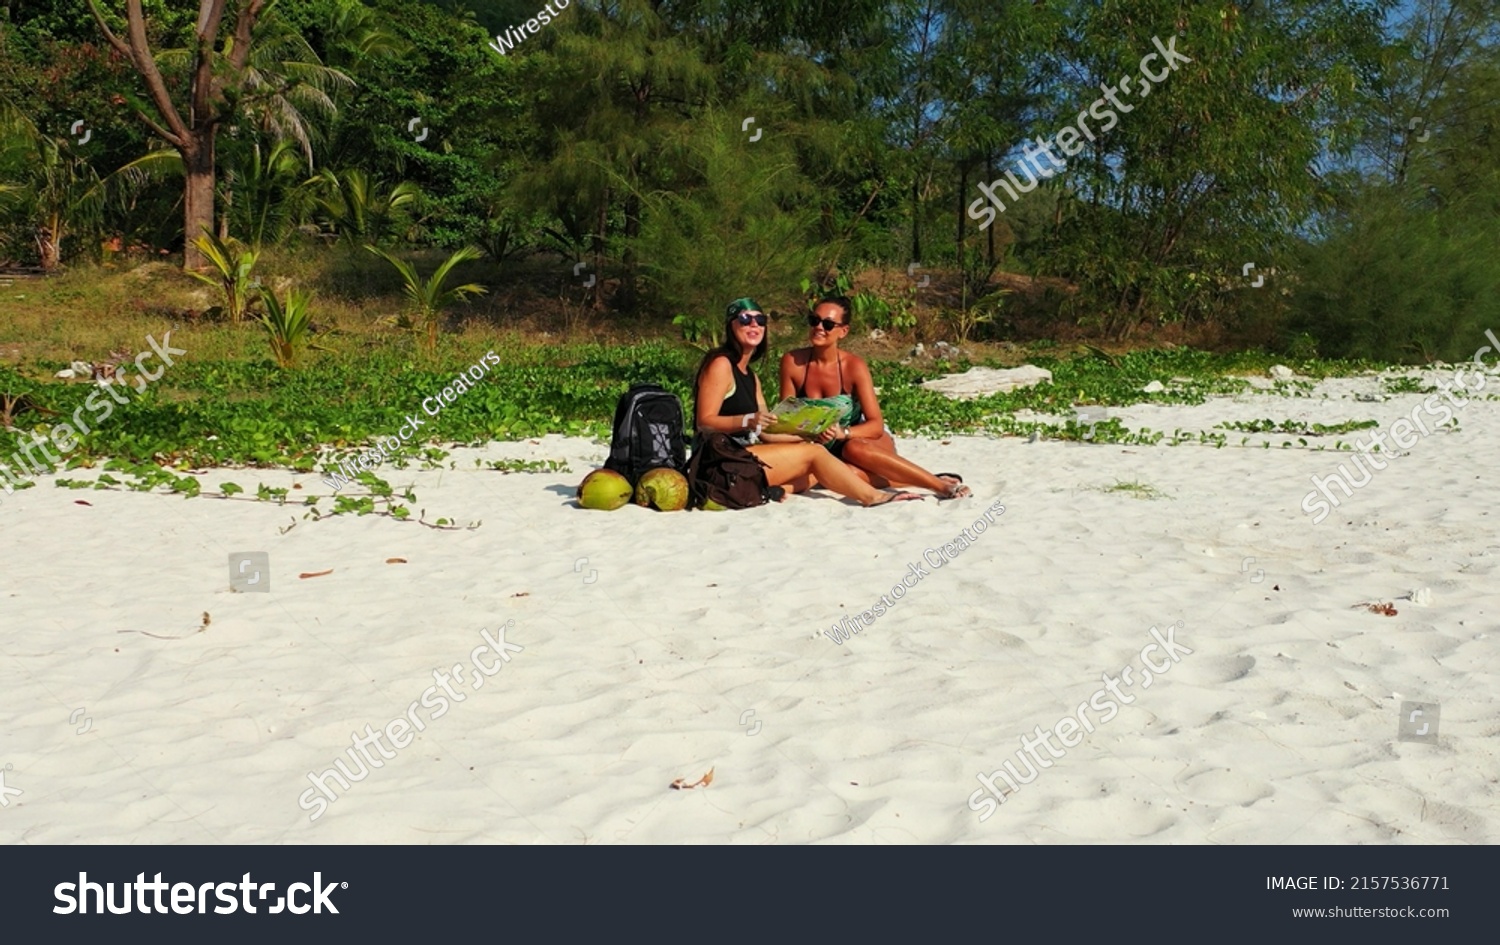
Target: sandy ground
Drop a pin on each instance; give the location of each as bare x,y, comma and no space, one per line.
693,641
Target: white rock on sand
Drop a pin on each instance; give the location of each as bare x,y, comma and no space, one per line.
653,653
983,381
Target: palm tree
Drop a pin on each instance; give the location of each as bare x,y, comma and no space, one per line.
266,73
288,326
233,265
430,297
358,208
360,30
284,87
273,196
64,192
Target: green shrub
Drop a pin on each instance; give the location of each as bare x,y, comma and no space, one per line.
233,264
287,326
1398,281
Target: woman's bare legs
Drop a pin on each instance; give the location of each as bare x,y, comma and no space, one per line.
793,463
878,458
810,481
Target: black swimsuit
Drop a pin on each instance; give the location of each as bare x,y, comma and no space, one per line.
852,412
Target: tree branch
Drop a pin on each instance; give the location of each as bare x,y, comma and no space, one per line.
156,87
210,14
243,25
156,129
109,35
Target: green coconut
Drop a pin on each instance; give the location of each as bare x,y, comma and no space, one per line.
604,489
663,489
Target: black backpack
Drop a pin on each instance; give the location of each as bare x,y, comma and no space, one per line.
648,433
726,473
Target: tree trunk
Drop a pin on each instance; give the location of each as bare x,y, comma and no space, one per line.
626,298
989,167
198,211
963,193
48,248
228,205
599,234
916,220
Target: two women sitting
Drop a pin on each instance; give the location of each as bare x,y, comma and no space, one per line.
856,457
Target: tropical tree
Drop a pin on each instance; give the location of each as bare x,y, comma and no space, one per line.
270,194
736,218
269,77
357,208
215,82
60,191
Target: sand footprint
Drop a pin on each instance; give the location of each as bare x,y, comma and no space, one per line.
1457,823
1223,786
1228,670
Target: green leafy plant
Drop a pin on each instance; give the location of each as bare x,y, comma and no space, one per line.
360,208
429,297
529,465
380,499
1135,489
1297,427
700,331
814,290
982,312
871,310
233,263
289,326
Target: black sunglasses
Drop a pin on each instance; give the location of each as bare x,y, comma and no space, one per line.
828,324
745,318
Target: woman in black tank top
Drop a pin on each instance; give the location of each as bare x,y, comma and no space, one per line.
728,400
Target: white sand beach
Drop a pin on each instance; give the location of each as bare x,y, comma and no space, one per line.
698,645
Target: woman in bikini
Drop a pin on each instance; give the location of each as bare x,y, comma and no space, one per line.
728,400
860,438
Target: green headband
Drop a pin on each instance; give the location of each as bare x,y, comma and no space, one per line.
740,305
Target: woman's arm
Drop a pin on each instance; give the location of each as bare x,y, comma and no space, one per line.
714,388
788,386
873,425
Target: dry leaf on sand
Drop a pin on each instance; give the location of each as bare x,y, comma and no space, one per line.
681,783
308,574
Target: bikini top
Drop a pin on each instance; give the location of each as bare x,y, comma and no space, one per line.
845,402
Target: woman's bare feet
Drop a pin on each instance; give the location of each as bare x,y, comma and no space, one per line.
885,498
955,490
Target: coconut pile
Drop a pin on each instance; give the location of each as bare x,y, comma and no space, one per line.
663,489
